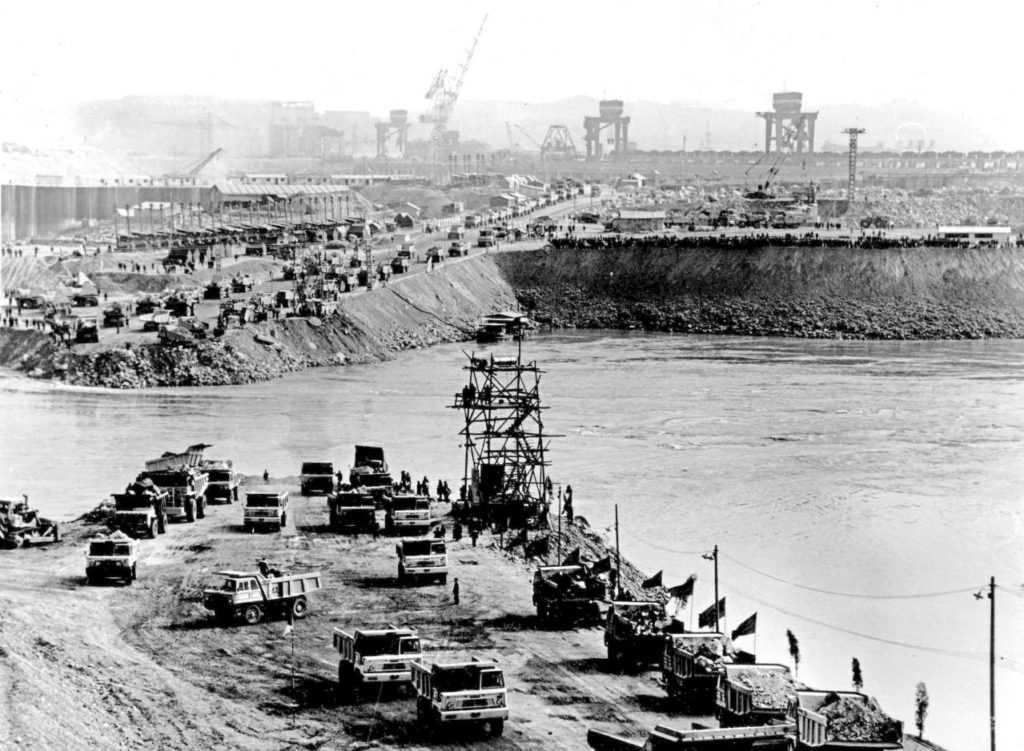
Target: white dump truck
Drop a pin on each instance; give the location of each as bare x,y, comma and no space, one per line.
113,557
374,656
265,511
255,596
407,514
422,558
461,693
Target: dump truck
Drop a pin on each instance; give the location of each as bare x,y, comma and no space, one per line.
352,511
266,511
141,509
756,694
407,514
87,329
186,491
374,656
316,478
115,315
369,470
844,720
464,693
112,557
691,665
422,558
634,633
699,738
21,525
222,480
255,596
567,594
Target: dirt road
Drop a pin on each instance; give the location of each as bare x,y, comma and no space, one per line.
146,666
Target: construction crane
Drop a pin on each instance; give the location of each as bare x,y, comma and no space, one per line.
526,133
558,144
202,165
444,94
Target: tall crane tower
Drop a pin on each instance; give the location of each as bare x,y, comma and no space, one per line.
853,133
444,94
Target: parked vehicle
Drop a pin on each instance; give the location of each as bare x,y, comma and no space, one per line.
266,511
842,720
255,596
422,558
664,738
370,657
369,469
222,480
316,478
186,491
757,694
21,525
456,232
140,509
458,248
691,665
352,511
407,514
116,556
461,693
87,330
115,315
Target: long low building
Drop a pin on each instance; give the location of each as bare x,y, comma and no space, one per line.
639,221
976,233
332,200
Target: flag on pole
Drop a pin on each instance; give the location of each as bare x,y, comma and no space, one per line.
748,626
707,618
605,564
654,581
684,591
288,629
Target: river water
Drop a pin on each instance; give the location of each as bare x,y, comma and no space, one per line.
840,480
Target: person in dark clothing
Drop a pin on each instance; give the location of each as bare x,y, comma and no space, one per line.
474,531
455,591
266,477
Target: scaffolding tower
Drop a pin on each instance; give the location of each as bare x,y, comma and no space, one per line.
505,457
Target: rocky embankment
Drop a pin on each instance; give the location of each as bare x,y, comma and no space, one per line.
914,293
426,309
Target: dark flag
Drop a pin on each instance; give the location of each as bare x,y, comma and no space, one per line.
573,559
654,581
684,591
748,626
707,618
605,564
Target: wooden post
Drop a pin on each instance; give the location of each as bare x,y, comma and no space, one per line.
992,661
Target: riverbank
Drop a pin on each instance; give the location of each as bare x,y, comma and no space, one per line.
147,666
849,293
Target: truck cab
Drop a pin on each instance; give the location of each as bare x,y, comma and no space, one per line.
266,510
111,557
186,491
634,633
374,656
567,593
316,478
407,250
456,232
470,693
222,480
408,513
422,558
253,596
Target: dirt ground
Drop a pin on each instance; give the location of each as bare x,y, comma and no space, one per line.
114,667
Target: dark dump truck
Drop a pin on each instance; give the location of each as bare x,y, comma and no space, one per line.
317,478
352,511
691,665
842,721
186,491
369,470
757,694
222,480
141,509
567,594
634,634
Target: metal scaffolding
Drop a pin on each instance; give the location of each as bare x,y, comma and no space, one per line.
504,439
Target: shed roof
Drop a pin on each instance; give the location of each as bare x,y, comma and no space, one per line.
641,215
231,188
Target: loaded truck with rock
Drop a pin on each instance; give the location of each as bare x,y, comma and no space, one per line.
461,694
255,596
186,491
352,511
691,666
222,480
844,720
140,510
634,633
316,478
369,470
757,694
567,594
372,657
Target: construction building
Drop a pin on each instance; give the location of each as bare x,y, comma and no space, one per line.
610,115
787,127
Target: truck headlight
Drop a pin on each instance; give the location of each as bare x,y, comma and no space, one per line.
449,704
500,700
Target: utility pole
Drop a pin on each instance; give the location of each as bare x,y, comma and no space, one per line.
714,557
853,133
992,660
618,556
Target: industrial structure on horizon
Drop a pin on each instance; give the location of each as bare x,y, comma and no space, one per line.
787,127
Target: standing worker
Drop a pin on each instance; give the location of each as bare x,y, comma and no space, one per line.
474,531
266,477
455,591
568,504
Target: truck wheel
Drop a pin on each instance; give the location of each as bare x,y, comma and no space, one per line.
495,728
190,511
284,522
402,579
152,529
161,523
128,578
614,657
444,578
300,607
135,571
253,614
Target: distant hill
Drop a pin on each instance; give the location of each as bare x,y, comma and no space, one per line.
663,126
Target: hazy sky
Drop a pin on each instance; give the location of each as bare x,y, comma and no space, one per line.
954,57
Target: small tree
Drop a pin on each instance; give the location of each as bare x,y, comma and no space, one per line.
858,679
794,651
920,708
